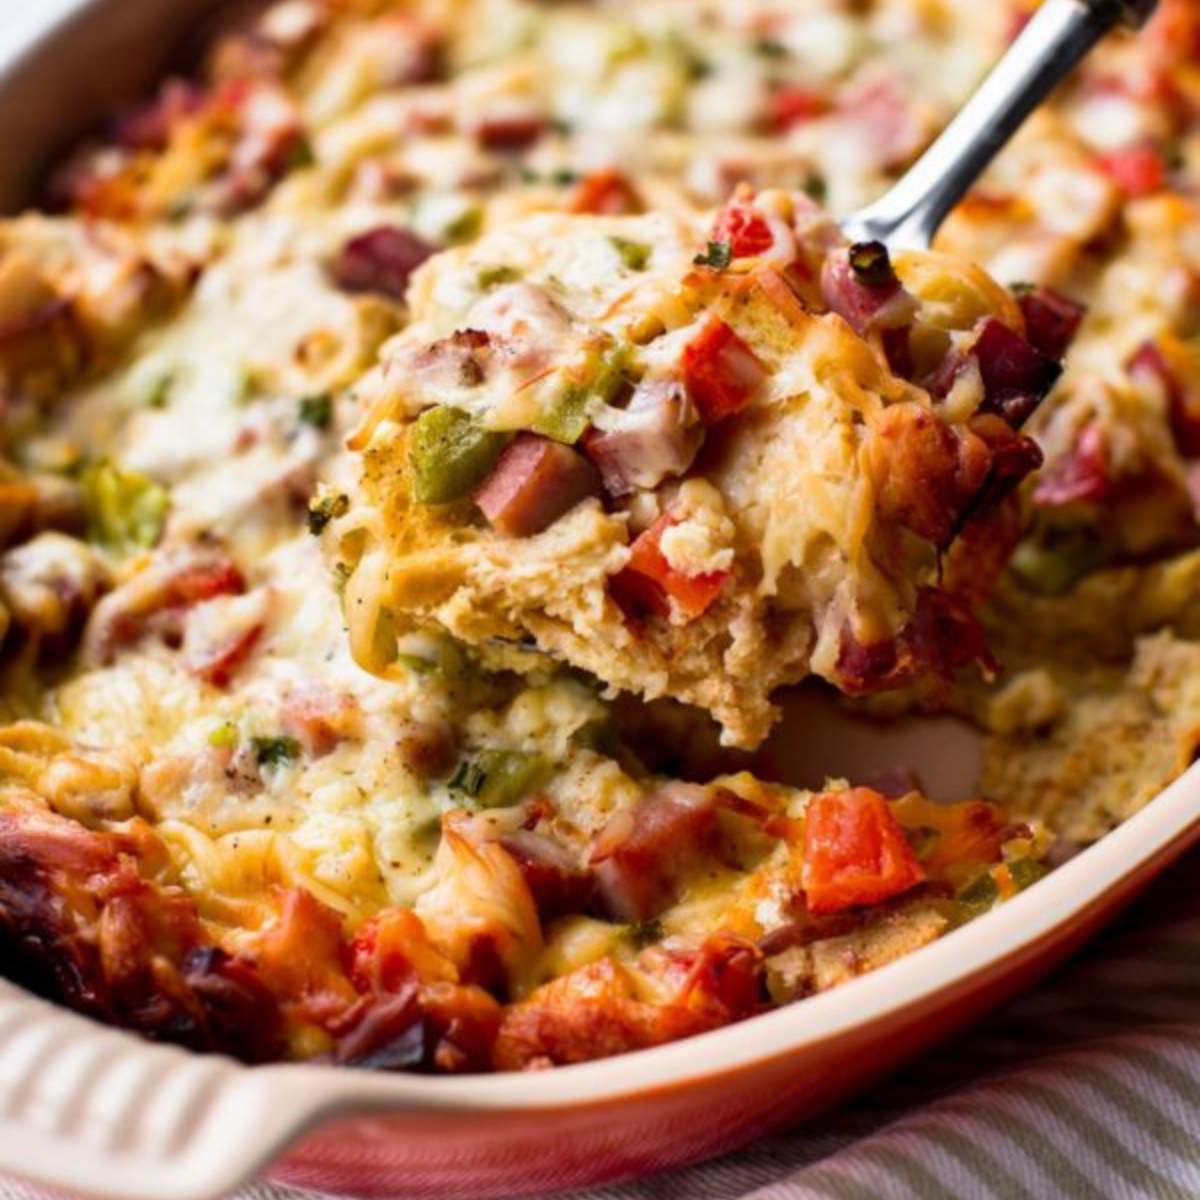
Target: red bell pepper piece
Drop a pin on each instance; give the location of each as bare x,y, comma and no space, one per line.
648,582
722,373
855,852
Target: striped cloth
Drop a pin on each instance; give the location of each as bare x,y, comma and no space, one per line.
1089,1087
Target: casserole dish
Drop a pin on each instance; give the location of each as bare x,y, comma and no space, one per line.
97,1112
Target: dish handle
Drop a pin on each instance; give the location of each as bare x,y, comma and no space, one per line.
101,1114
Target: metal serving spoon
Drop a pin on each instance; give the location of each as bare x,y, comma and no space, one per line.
1056,38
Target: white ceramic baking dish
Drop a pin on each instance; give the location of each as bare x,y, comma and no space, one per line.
100,1113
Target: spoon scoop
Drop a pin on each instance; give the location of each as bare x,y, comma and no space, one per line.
1056,38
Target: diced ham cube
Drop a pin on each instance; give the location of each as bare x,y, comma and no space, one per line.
606,192
509,132
858,284
649,584
556,881
722,373
1051,320
533,483
1083,476
655,437
380,260
642,855
1016,376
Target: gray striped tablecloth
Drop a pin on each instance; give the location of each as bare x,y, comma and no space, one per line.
1088,1088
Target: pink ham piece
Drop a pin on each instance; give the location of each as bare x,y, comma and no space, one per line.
1081,477
534,482
870,297
148,126
380,260
556,881
877,114
1150,363
641,856
509,132
1051,320
1016,375
654,437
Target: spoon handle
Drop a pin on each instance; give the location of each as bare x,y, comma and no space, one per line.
1058,35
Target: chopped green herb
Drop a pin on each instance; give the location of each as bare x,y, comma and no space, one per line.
325,508
125,509
159,392
635,255
300,154
717,255
490,277
449,454
465,226
564,176
274,751
317,410
499,778
417,664
770,48
1021,288
816,188
871,264
180,209
645,933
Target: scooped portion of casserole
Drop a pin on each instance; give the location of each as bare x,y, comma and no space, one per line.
695,463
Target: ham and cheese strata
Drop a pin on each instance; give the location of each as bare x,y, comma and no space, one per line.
378,401
695,463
